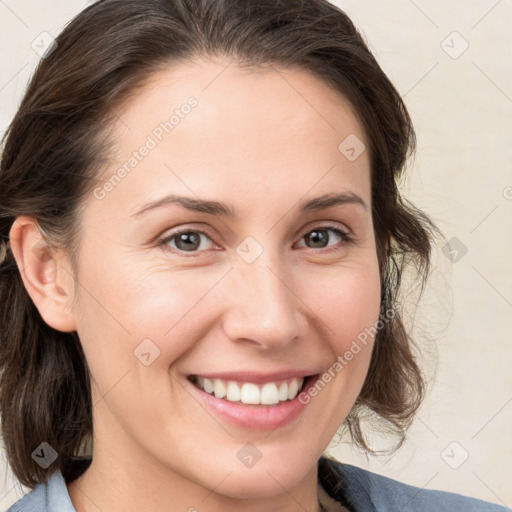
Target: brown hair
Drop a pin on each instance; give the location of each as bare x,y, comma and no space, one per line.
54,149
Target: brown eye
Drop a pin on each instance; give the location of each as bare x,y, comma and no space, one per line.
185,240
319,237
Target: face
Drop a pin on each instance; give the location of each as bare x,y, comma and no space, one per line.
252,297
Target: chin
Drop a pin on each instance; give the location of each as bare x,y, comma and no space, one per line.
258,484
266,478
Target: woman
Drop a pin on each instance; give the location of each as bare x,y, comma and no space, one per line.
265,136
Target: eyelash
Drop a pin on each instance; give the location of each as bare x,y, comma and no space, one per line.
345,236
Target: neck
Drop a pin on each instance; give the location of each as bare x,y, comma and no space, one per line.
94,490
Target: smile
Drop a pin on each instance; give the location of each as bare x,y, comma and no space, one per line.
249,393
251,400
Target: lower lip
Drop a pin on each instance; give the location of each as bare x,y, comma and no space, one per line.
254,417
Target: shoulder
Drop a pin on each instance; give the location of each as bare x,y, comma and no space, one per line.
33,501
357,488
365,491
51,496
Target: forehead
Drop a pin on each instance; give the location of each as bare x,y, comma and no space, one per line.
212,128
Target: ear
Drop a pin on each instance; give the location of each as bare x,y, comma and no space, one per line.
46,274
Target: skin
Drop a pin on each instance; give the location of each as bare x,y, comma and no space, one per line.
261,141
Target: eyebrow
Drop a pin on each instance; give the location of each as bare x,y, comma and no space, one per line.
223,210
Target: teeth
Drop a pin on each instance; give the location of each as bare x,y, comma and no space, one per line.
249,393
283,391
293,389
219,389
269,394
208,386
233,394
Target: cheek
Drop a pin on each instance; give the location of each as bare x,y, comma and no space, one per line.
127,312
347,301
349,308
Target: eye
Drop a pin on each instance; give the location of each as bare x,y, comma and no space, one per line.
190,240
319,237
187,240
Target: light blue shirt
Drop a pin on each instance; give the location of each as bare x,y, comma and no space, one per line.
357,489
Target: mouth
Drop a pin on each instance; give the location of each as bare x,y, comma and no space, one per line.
254,401
251,393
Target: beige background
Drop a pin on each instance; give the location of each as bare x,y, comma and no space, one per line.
461,104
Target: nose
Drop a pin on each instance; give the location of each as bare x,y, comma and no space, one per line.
261,306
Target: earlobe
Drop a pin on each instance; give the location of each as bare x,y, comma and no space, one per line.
45,274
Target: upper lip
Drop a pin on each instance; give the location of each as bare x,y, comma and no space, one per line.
257,377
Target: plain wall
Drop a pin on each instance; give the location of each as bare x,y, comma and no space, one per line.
460,100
